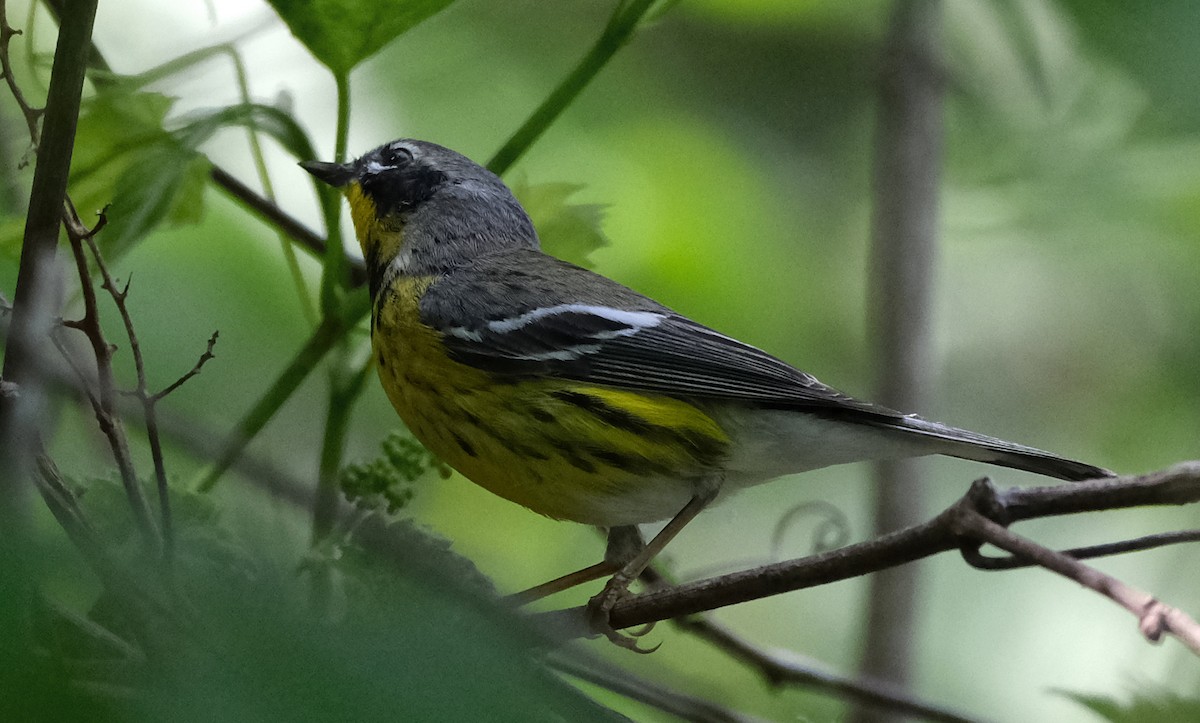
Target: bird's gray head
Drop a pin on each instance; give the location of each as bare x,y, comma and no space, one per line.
425,207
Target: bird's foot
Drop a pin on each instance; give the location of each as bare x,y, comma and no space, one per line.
600,608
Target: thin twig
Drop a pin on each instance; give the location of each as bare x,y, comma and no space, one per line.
119,296
1155,618
978,560
148,400
204,359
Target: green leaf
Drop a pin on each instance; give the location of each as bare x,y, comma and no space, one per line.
343,33
115,128
245,641
569,231
1151,47
115,122
163,183
160,176
1158,706
204,547
126,159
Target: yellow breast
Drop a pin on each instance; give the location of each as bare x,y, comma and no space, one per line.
565,449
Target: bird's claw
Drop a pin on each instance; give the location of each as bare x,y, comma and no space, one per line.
600,608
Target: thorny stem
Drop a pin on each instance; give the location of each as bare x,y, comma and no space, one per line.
148,400
105,406
204,359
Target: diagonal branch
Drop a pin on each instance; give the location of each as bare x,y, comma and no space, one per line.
955,528
625,20
785,668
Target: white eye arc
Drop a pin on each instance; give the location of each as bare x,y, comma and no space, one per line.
395,156
389,158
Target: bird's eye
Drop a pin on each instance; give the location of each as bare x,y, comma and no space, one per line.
396,156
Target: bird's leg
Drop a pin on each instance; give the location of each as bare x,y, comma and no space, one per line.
624,543
601,605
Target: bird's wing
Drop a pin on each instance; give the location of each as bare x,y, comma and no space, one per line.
524,314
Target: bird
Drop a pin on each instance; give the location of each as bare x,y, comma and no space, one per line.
577,397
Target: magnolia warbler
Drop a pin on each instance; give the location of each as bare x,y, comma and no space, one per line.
577,397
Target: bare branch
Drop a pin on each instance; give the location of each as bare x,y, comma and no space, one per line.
104,401
119,297
270,212
148,400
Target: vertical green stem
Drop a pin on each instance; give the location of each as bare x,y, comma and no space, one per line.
334,280
342,81
344,386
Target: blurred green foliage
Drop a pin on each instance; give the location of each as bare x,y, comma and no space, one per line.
719,163
1145,706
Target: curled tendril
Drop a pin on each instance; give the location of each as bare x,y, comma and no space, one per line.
831,531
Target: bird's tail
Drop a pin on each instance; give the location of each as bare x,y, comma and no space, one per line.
961,443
